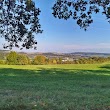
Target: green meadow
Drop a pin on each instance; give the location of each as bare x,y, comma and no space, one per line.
55,87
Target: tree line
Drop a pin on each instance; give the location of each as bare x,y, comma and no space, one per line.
14,58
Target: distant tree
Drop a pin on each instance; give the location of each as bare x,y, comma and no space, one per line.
76,61
60,60
39,60
11,58
22,60
47,61
54,61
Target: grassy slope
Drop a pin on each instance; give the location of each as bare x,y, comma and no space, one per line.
55,87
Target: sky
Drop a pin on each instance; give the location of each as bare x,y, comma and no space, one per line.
66,36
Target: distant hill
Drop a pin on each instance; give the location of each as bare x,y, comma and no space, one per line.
3,54
91,54
73,55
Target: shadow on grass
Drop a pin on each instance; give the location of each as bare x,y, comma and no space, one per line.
53,71
106,66
54,79
53,74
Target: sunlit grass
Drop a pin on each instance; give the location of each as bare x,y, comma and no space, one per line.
55,87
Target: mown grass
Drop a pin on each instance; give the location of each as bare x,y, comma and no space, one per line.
55,87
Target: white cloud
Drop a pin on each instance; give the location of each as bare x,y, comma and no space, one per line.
88,46
104,45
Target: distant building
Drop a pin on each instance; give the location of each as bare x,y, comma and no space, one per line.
67,59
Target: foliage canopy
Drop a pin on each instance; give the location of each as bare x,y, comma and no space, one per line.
14,58
81,10
19,23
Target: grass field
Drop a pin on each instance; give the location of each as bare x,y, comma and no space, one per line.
55,87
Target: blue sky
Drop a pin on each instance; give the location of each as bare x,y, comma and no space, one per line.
66,36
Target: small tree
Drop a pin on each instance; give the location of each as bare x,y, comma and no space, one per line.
11,58
60,60
54,61
39,60
23,60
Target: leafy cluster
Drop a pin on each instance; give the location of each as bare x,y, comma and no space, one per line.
19,23
39,60
13,58
81,10
17,59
